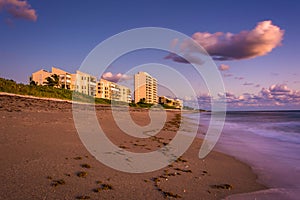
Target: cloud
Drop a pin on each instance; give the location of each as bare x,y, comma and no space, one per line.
239,78
229,46
174,43
248,84
18,9
227,75
246,44
115,77
187,58
281,95
276,96
223,67
274,74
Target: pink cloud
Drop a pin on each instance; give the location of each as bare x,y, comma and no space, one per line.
277,95
229,46
19,9
246,44
223,67
115,77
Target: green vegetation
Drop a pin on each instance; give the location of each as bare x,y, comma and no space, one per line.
187,108
51,91
194,109
144,105
165,106
10,86
52,80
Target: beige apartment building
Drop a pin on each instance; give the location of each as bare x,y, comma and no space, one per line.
113,91
80,82
65,78
176,103
145,88
39,77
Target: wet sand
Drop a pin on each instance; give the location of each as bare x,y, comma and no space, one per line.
42,157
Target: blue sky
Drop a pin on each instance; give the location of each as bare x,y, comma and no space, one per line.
62,33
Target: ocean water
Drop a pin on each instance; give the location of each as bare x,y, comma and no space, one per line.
267,141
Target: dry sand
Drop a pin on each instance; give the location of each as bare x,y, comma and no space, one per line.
42,157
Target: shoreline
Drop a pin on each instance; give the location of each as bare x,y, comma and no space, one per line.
273,160
43,155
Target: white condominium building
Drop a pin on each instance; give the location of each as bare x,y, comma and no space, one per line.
145,88
84,83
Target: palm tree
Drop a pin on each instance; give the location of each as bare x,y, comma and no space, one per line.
33,83
52,80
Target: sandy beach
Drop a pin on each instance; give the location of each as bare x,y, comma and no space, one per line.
42,157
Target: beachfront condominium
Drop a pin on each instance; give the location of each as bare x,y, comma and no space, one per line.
145,88
80,82
64,78
84,83
175,103
113,91
39,77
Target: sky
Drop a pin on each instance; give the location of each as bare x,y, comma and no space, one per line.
253,44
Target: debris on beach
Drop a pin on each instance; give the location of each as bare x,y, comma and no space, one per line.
83,197
56,183
85,166
82,174
103,187
170,194
184,170
222,186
